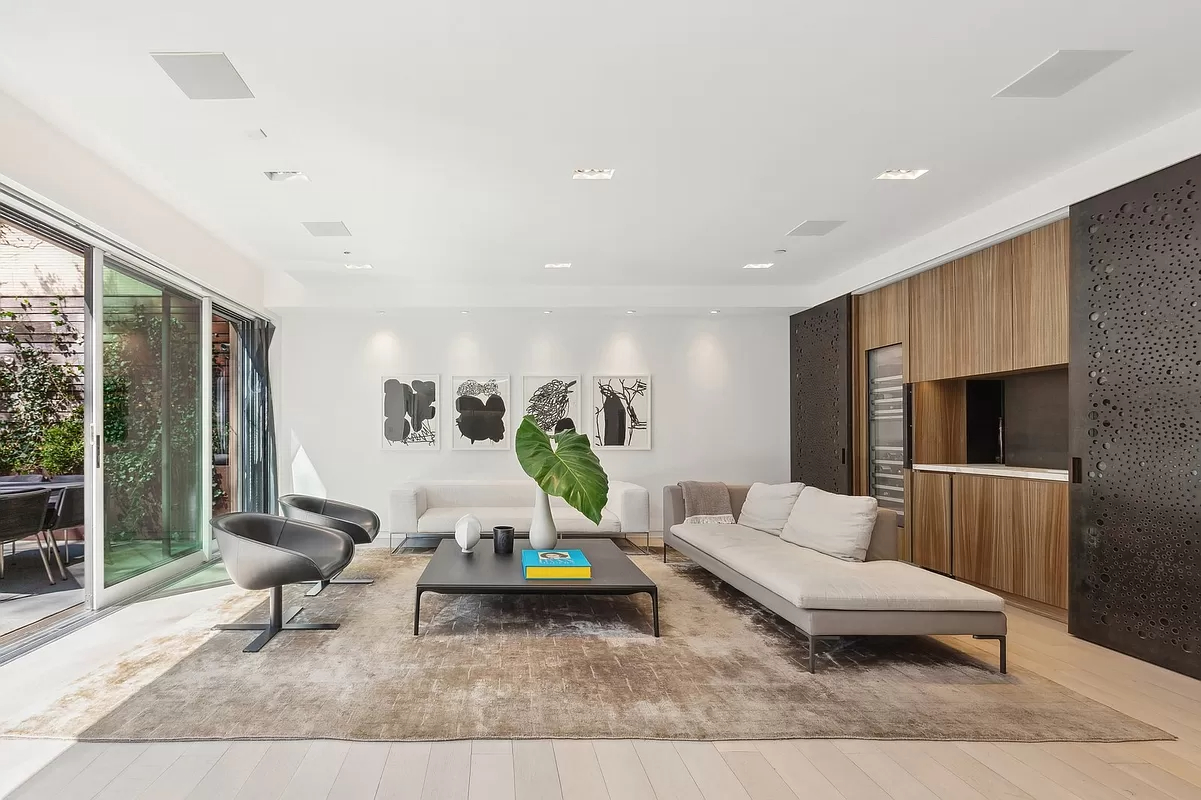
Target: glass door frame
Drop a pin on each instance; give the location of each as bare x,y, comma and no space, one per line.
96,594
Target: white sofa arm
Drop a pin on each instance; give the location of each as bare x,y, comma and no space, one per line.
407,505
631,504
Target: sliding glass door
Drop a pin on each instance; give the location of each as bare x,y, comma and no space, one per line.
151,457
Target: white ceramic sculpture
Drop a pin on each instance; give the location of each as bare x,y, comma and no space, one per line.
467,532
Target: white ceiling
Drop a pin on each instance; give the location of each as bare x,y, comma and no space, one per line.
444,134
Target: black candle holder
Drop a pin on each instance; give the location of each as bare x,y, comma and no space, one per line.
502,539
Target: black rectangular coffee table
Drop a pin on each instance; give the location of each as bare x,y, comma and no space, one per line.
452,571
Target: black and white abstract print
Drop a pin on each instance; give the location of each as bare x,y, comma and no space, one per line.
621,412
551,400
410,413
481,406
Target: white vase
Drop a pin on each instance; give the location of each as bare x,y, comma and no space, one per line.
467,532
543,535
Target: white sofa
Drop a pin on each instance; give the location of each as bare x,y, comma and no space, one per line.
828,597
431,508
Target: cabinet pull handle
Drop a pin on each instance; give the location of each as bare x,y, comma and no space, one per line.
1077,471
844,455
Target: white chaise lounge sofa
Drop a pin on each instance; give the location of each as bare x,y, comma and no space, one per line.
431,508
828,597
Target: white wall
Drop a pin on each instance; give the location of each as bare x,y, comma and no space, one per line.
39,158
719,392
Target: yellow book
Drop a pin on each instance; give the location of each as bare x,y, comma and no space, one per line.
558,573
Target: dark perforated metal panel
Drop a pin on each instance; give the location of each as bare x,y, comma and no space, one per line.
821,396
1135,385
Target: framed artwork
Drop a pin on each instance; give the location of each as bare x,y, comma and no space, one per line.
480,412
551,398
409,413
621,412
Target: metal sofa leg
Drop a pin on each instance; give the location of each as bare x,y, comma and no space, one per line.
278,620
1001,642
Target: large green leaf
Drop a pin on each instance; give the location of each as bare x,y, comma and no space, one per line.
567,469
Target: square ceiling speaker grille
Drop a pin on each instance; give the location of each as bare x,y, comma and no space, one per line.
816,227
1062,72
327,228
204,76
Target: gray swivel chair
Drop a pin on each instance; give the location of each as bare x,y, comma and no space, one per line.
23,514
262,551
361,524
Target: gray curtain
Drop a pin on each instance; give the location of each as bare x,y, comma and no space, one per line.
259,450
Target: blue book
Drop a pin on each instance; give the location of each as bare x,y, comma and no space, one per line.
555,565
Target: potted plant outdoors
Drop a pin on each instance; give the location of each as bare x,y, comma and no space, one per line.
562,465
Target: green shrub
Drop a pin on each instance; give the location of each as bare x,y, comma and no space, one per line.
62,447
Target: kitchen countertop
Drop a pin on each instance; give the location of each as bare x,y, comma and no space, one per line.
998,470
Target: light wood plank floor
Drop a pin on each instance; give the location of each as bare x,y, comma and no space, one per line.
625,770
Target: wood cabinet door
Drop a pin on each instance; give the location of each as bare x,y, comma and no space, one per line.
961,317
929,520
1040,296
1040,517
988,549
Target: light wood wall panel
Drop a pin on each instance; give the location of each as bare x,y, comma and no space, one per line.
1040,296
940,422
883,316
930,520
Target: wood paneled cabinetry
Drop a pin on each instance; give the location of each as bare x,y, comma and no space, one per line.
1011,534
1040,296
929,520
1001,309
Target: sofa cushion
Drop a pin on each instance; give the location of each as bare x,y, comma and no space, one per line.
442,519
835,524
767,506
813,580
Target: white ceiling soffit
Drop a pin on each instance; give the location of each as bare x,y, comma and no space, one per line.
204,76
1060,73
441,139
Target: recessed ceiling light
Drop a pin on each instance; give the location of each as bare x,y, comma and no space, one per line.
286,176
780,252
815,227
901,174
204,76
558,266
715,311
592,175
631,312
327,228
1061,72
464,312
759,266
358,266
546,312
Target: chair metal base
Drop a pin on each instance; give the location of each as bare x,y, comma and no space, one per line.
319,586
277,621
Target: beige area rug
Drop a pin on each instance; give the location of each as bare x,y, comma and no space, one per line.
518,667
